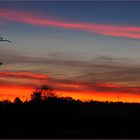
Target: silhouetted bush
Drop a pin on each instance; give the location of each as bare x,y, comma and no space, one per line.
42,93
18,100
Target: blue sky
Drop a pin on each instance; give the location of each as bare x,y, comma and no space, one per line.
120,12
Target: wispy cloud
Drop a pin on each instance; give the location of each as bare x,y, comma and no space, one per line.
37,19
98,69
101,74
66,85
26,75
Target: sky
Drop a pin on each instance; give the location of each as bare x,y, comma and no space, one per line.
85,50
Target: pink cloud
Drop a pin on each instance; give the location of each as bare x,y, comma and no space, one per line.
64,85
37,20
27,75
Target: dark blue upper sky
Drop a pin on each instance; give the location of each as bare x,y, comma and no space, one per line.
121,12
110,12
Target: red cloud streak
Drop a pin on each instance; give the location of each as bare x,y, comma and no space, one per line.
28,75
36,19
72,86
77,90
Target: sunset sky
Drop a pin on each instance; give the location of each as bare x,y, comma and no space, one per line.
86,50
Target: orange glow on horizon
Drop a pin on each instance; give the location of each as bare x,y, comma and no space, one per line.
23,92
10,92
103,96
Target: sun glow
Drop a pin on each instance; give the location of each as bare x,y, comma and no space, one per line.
24,92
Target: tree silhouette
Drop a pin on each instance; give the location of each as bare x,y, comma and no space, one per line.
36,96
18,100
6,101
43,92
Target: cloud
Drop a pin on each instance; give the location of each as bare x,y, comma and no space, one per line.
102,74
22,78
36,19
81,86
65,85
98,69
26,75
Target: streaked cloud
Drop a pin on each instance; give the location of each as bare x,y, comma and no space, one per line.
66,85
36,19
96,69
100,74
26,75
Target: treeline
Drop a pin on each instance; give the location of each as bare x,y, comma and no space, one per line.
46,115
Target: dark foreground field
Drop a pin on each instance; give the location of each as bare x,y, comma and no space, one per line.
67,118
